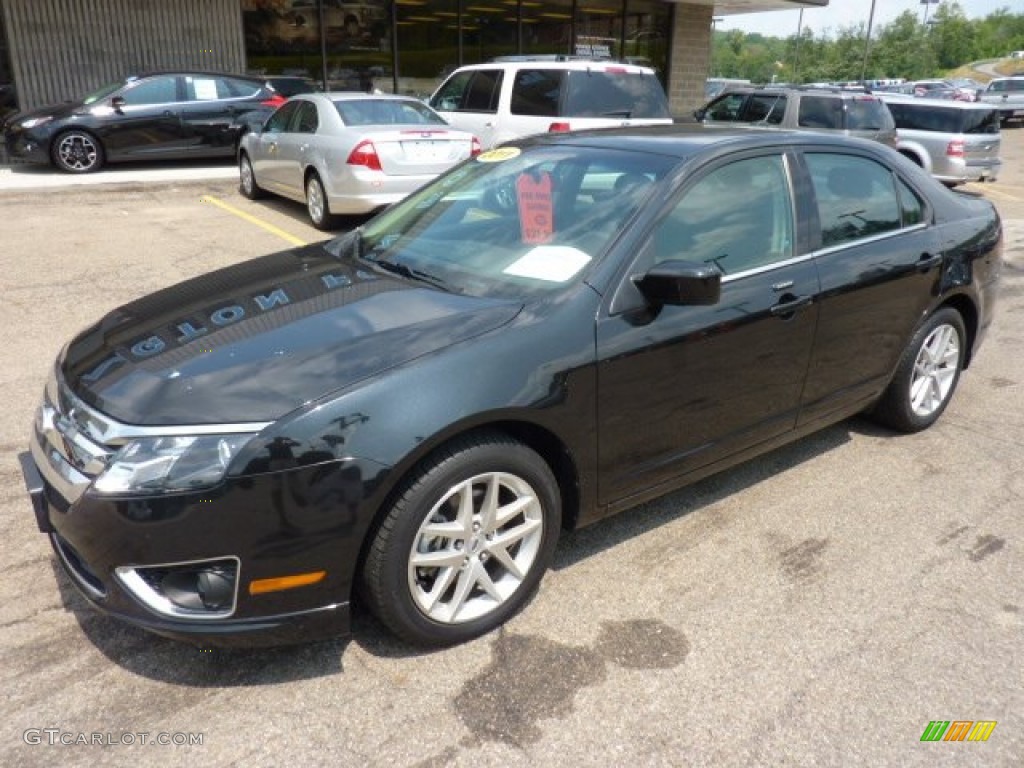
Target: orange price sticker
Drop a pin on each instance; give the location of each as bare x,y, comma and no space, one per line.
536,213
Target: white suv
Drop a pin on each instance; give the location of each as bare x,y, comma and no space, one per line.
518,96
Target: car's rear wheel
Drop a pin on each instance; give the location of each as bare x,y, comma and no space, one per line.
466,543
247,179
77,152
927,374
316,203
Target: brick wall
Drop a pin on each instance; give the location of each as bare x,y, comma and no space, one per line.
688,60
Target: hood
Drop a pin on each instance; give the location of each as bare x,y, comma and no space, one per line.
55,111
254,341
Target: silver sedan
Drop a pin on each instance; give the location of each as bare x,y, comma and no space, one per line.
348,153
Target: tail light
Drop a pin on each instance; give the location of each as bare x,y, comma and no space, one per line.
558,128
955,148
274,101
365,154
475,148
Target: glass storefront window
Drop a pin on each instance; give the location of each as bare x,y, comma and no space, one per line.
436,36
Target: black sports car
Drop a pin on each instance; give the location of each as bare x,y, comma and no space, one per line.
160,115
549,333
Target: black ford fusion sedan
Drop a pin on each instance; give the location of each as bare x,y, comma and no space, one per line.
551,332
153,116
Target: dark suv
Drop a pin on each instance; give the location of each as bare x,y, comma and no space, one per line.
854,113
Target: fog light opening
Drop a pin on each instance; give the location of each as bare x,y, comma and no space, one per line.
196,590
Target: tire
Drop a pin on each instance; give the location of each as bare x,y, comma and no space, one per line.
247,179
77,152
926,375
440,569
316,203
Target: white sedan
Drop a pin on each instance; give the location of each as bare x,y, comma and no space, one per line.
348,153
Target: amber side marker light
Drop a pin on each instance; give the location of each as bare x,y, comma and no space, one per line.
279,583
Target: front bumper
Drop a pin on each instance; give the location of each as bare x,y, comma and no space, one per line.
272,525
31,145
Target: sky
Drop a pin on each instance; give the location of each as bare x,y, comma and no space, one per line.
843,13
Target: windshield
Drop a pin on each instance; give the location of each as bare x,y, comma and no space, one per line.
512,223
101,93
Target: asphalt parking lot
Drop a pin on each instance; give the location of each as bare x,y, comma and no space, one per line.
818,606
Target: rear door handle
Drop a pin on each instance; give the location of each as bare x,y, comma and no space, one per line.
790,305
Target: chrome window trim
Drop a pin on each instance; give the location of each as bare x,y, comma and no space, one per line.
822,252
872,239
138,588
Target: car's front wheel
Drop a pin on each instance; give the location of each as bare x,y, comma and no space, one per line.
926,375
77,152
247,178
466,542
316,203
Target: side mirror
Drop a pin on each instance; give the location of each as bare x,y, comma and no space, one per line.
681,283
117,103
699,114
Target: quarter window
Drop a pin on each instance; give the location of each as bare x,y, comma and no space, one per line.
856,197
911,206
737,217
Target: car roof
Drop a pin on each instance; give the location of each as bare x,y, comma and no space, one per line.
924,101
200,72
685,140
580,65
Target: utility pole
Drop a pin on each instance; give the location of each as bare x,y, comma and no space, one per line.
796,55
867,43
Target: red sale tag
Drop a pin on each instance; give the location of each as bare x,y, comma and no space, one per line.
536,214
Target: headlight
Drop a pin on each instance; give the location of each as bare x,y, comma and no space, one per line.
32,122
166,464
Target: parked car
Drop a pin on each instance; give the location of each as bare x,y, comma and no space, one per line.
518,96
292,85
551,332
155,116
348,153
954,141
1007,94
839,110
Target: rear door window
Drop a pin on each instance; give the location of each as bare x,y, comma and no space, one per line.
856,197
820,112
536,92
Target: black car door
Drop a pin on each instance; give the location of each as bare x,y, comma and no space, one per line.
685,386
214,112
879,265
142,119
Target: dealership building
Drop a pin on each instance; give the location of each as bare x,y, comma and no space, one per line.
54,50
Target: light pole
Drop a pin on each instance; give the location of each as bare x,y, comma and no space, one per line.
796,54
867,43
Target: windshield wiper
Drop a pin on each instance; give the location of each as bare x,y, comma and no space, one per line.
627,113
410,273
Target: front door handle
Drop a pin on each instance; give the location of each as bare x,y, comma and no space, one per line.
789,305
928,260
